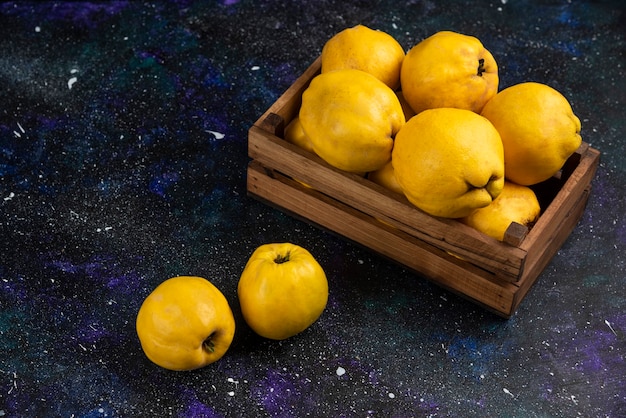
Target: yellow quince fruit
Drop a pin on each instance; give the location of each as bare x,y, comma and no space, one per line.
539,130
516,203
282,290
449,69
295,135
361,48
406,107
449,161
185,323
351,119
386,177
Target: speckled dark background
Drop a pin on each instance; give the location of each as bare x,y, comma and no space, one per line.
123,133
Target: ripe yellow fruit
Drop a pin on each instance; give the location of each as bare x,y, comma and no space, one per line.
282,290
538,128
516,203
351,119
386,177
449,161
185,323
406,107
449,69
295,135
365,49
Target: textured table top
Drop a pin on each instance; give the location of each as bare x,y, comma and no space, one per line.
123,134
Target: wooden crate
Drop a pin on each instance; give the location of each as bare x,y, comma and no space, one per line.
494,274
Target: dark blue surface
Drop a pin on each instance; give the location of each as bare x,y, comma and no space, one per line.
123,133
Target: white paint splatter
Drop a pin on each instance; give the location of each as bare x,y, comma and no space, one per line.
255,68
231,393
71,82
608,324
14,384
37,29
73,71
508,392
231,380
21,129
217,135
340,371
10,196
392,395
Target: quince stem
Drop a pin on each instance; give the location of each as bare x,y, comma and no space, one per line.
481,67
282,258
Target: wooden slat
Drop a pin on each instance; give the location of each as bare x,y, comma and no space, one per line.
447,271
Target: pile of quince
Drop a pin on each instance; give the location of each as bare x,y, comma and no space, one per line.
431,124
186,322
